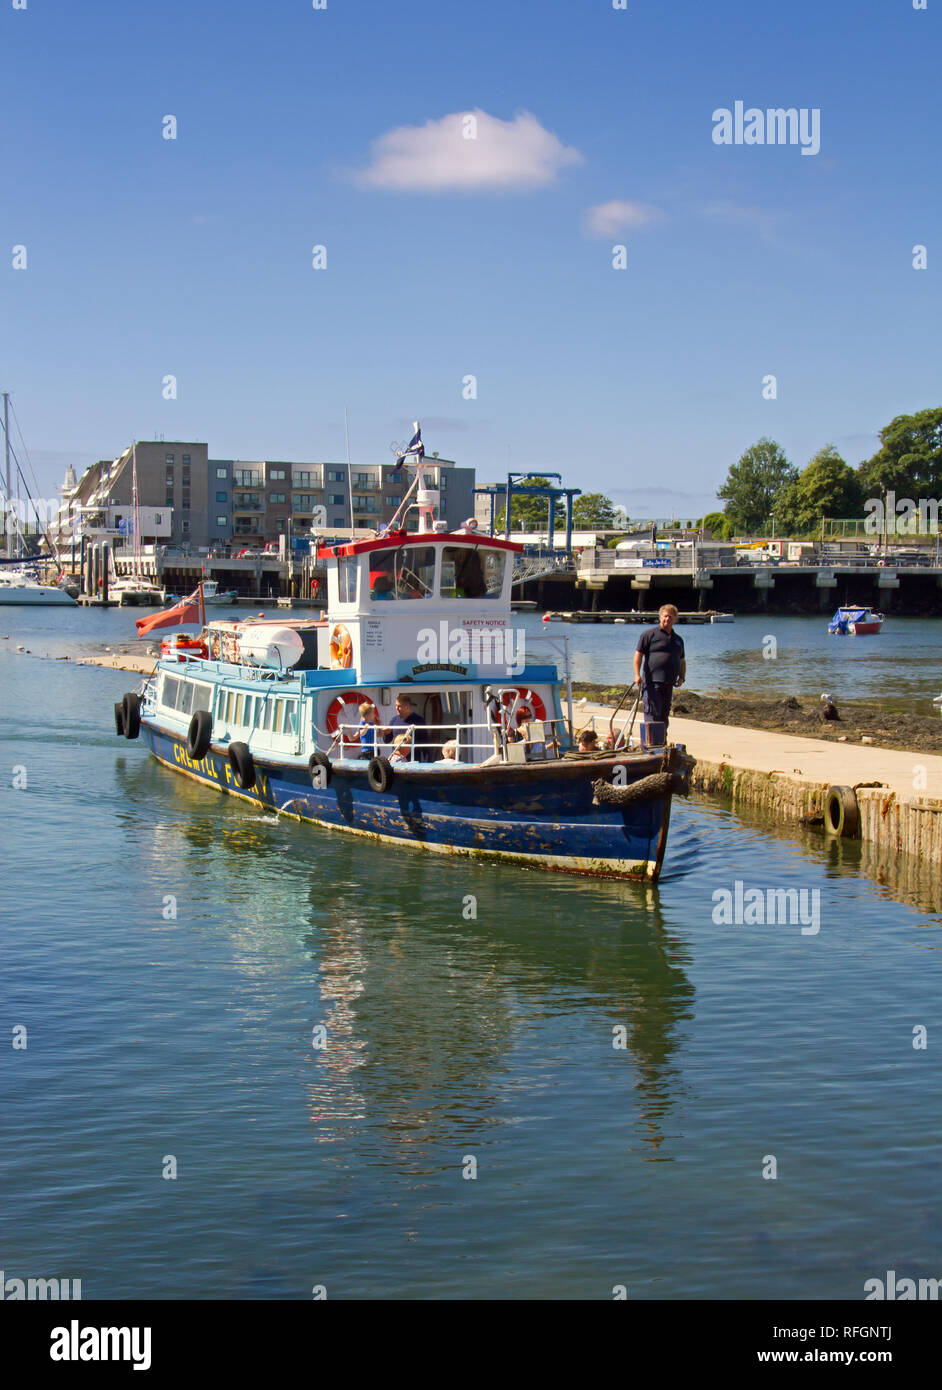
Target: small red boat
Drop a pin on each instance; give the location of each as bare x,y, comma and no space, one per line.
855,622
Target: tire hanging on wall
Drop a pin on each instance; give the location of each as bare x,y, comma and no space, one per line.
841,813
243,765
200,734
131,714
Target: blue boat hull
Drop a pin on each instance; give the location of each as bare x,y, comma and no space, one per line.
540,814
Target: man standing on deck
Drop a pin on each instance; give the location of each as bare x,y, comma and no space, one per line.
665,665
401,721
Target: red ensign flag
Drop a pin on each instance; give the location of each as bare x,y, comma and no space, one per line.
186,611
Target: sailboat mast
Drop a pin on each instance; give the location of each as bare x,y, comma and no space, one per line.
137,510
6,470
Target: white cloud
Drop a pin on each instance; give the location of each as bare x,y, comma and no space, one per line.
438,157
619,215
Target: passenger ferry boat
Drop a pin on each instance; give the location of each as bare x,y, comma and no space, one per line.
856,622
411,714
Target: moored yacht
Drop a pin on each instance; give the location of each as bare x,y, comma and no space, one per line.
21,586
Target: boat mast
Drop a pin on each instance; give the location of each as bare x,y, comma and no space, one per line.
137,510
6,473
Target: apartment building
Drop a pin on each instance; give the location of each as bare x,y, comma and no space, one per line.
193,501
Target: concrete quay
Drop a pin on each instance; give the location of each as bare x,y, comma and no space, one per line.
899,794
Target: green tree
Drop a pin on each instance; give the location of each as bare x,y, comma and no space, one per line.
754,485
529,513
909,460
827,487
593,511
714,522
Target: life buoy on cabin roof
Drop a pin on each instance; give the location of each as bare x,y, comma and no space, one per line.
341,648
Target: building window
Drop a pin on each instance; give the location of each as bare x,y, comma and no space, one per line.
442,477
277,497
185,504
157,518
222,472
185,477
222,497
335,475
169,500
336,500
282,525
184,526
169,460
246,477
304,479
303,502
365,480
338,521
221,521
277,475
185,460
392,501
246,501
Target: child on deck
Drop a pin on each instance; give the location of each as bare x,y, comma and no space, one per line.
366,730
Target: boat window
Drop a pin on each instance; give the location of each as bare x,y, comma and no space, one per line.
264,719
347,569
202,697
237,714
168,696
472,571
185,698
278,725
249,711
406,572
291,716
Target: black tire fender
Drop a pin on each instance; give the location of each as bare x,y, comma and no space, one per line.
380,774
243,765
320,761
119,719
200,734
131,714
841,813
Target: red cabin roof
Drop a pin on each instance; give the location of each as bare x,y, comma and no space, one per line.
398,538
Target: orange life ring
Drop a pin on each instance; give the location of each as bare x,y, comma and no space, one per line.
530,705
340,703
341,648
180,642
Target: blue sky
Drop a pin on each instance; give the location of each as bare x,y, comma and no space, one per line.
192,257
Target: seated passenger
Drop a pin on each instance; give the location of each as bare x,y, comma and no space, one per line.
402,748
588,741
449,756
382,588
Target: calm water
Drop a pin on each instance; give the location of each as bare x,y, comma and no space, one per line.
152,1035
903,665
